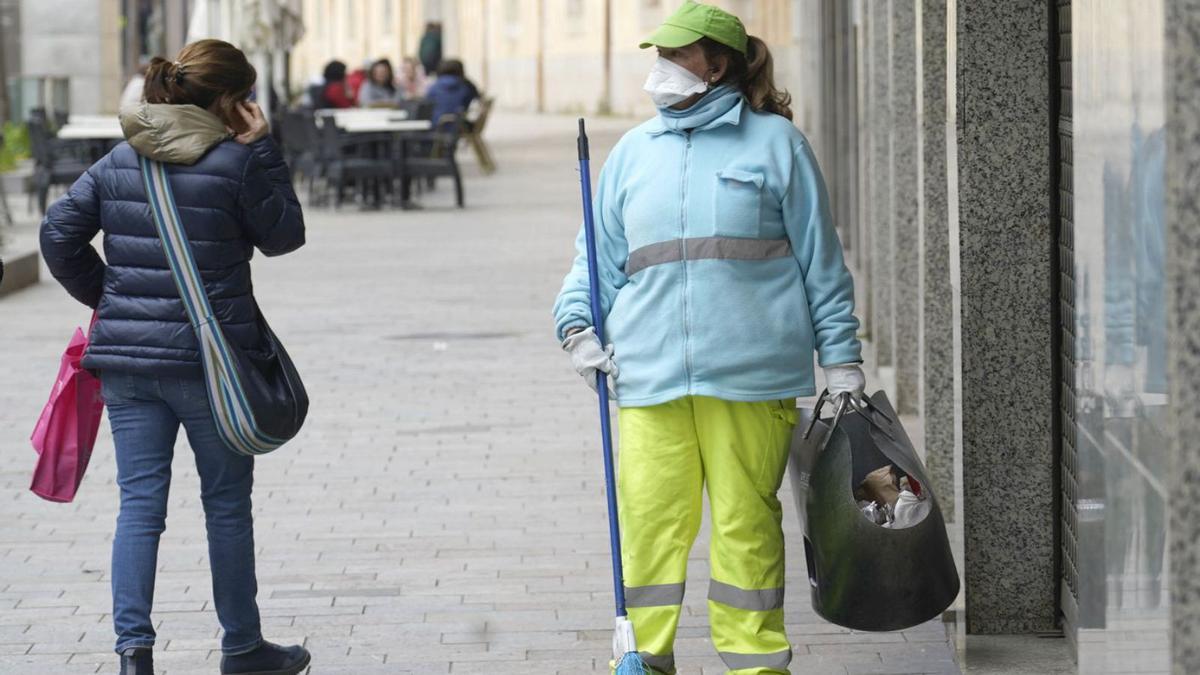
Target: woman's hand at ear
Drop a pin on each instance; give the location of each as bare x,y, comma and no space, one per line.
254,122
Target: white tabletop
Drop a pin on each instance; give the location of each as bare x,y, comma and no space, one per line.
92,130
363,113
382,126
92,120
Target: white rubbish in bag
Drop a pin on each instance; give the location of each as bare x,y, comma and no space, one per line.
875,513
890,502
908,511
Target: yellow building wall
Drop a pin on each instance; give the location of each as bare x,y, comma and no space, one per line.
353,31
533,54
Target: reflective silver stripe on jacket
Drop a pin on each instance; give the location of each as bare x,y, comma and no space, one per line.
706,248
739,598
775,661
660,595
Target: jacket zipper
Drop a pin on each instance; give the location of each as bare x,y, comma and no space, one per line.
687,319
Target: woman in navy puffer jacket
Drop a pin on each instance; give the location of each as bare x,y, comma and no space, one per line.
234,194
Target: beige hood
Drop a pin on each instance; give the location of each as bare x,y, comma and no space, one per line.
175,134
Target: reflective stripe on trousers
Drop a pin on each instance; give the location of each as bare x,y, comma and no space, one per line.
705,248
669,454
654,596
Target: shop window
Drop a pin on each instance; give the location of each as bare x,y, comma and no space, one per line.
151,28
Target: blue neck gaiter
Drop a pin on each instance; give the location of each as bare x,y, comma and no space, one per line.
712,105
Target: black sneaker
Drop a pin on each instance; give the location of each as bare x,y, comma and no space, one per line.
137,661
267,659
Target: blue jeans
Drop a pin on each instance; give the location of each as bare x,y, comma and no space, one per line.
145,413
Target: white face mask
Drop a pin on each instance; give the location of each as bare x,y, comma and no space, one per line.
669,83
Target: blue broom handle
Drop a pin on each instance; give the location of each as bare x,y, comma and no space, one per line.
589,228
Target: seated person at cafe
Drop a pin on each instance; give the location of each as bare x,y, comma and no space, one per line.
451,92
335,94
411,80
379,91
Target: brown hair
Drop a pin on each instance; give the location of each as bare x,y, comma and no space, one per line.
753,73
452,67
204,74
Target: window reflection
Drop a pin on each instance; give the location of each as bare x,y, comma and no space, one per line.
1121,331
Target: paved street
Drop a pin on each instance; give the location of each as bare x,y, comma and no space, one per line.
442,511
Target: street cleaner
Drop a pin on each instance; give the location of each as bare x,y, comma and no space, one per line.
720,276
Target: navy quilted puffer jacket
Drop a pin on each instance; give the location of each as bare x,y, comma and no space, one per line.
231,198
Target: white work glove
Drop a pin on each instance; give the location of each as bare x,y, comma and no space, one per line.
587,356
846,379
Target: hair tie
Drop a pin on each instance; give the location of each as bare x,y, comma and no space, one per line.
179,72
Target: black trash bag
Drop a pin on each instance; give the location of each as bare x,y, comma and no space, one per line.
865,576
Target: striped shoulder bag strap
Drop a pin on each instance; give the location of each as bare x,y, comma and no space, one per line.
232,412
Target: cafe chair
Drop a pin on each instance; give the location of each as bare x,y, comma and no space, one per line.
431,154
417,108
362,160
301,146
57,162
473,134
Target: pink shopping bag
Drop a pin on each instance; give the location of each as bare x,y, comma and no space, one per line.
66,431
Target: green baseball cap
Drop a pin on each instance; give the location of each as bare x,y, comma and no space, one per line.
693,21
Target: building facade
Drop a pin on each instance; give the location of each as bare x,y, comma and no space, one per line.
1020,177
541,55
77,55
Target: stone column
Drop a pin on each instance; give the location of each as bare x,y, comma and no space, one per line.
865,64
904,225
880,170
844,113
1183,316
936,313
1008,402
851,120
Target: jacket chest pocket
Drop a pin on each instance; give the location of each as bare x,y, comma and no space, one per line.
737,203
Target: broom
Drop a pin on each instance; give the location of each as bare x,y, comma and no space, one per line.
625,653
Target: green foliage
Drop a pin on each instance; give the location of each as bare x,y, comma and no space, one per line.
16,145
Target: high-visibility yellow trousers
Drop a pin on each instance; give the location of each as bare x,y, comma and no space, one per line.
669,454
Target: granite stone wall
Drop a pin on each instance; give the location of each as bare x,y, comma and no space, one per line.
936,299
903,213
1183,283
864,66
880,170
1009,489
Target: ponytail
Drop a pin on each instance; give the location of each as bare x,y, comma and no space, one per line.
164,82
753,73
759,82
206,73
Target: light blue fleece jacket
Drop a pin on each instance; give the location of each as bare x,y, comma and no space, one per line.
720,268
